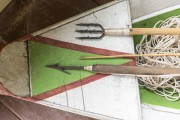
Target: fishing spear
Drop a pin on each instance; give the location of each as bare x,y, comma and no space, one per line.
120,69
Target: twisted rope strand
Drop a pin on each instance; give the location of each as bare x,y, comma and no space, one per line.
166,86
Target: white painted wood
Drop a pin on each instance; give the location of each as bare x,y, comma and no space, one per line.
68,109
61,23
72,98
75,98
156,13
140,8
114,96
60,99
160,108
116,16
151,112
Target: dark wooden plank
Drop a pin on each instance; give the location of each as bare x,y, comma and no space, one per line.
32,111
47,13
6,114
23,17
100,2
2,46
12,17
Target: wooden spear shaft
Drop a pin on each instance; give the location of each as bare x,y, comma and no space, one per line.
120,69
128,55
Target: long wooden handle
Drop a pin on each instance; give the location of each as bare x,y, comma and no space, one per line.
128,55
142,31
136,70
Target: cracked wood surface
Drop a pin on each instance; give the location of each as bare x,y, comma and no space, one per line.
14,68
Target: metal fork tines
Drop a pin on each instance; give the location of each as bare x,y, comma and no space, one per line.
97,29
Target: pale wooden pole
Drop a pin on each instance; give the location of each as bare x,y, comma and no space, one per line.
128,55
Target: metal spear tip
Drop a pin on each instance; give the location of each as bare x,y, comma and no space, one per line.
80,31
90,25
60,68
89,31
81,24
82,38
79,38
52,66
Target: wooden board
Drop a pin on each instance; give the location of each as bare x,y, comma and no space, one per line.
23,110
111,96
28,16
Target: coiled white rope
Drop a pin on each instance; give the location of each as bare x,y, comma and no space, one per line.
167,86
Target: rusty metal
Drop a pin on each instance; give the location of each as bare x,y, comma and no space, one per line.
98,29
63,68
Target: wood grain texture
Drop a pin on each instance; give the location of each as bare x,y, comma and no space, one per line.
155,31
14,68
6,114
23,17
32,111
135,70
3,4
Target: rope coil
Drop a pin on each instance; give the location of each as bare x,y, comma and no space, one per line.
167,86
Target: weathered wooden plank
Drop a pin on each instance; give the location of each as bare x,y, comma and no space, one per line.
14,69
32,111
1,46
26,16
11,19
3,4
6,114
47,13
